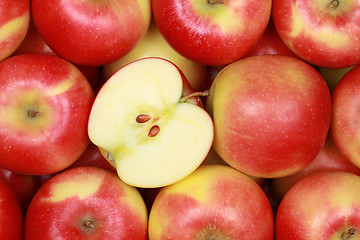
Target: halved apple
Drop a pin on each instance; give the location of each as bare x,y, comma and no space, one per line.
152,134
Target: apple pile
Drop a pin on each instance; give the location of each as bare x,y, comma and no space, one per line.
180,119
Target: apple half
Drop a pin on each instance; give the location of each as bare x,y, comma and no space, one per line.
146,127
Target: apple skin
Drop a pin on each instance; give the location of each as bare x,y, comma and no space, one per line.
67,202
154,45
329,159
214,202
91,33
271,115
323,33
14,23
45,104
345,128
212,32
321,206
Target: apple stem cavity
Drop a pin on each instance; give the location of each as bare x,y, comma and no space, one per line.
32,113
154,130
334,3
348,234
213,2
195,94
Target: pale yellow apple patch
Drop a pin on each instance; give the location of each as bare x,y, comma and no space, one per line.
324,34
14,26
64,85
80,187
222,15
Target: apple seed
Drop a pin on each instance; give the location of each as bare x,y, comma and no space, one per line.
154,130
348,234
142,118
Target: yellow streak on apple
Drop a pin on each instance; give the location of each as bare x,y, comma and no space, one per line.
324,34
145,7
63,85
13,26
81,187
222,15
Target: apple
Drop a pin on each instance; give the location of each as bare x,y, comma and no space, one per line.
214,202
345,128
45,103
91,32
11,218
271,115
329,159
154,45
321,206
333,75
152,133
86,203
212,32
14,23
24,186
323,33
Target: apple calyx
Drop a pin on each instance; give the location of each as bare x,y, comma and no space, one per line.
213,2
334,4
88,225
347,235
205,93
211,232
33,113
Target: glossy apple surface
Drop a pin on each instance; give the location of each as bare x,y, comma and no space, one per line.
324,33
271,115
45,104
14,23
90,32
321,206
214,202
86,203
213,32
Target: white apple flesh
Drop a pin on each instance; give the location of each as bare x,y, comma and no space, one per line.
150,133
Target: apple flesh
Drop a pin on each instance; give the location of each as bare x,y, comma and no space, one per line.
151,134
86,203
271,114
321,206
214,202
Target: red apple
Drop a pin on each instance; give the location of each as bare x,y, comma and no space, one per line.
344,124
11,218
214,202
24,186
329,159
212,32
324,33
321,206
14,23
271,114
45,103
86,203
91,32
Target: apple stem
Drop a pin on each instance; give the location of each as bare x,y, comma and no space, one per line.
195,94
348,234
213,2
334,3
33,114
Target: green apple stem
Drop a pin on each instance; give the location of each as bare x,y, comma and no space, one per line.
334,3
348,234
195,94
213,2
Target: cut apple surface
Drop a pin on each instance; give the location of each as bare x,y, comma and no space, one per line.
150,133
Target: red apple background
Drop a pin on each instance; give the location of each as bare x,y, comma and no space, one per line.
45,103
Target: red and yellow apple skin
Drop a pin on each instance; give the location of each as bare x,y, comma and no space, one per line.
329,159
214,202
212,32
11,218
154,45
345,128
14,23
322,206
90,32
45,105
271,115
86,203
324,33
